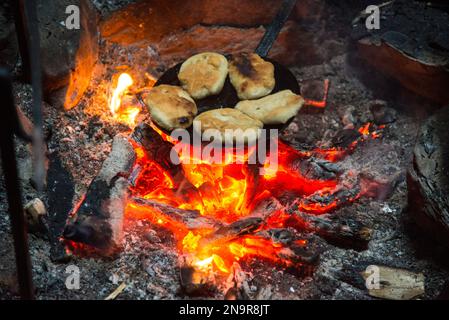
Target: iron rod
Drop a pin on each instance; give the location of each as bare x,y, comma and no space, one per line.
14,195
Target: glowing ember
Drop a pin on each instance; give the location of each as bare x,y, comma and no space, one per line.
228,193
124,113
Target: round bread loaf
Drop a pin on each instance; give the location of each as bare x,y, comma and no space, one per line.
171,107
251,76
228,125
204,74
275,108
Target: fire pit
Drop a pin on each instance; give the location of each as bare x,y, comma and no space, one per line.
309,213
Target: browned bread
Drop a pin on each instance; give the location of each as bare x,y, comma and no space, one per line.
226,121
204,74
273,109
171,107
251,76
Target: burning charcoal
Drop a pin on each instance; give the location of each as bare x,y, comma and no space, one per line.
234,230
98,220
321,202
281,235
297,250
266,207
190,218
344,138
380,184
315,93
236,286
316,169
381,113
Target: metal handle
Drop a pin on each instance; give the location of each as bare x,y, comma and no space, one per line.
275,27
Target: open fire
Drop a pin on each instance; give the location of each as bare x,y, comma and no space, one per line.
213,209
127,183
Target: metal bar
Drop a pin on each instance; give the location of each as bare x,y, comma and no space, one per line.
275,27
28,11
9,163
20,20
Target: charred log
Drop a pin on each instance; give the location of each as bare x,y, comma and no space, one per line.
98,219
59,205
156,148
324,201
296,250
316,169
233,231
345,232
160,151
191,219
428,178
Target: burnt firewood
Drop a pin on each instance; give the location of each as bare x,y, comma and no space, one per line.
155,147
191,219
266,208
60,181
161,151
316,169
345,138
321,202
233,231
296,249
342,231
428,178
98,219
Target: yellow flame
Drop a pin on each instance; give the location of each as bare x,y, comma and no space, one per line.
123,83
204,263
190,242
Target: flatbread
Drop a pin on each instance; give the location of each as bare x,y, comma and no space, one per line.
171,107
251,76
276,108
230,124
204,74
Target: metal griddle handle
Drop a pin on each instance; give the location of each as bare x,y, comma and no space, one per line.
274,28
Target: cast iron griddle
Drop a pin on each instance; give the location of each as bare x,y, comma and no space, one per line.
227,98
